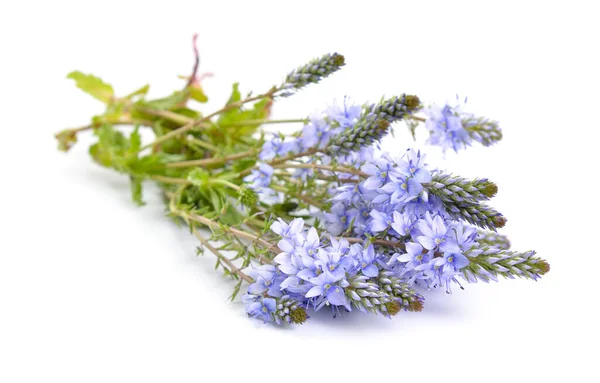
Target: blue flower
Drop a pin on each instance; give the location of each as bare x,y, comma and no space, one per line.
434,234
379,173
338,219
346,115
260,178
381,221
289,259
281,228
267,279
361,216
366,259
445,127
414,256
330,288
464,235
277,147
311,244
402,223
315,134
412,164
263,309
451,262
333,263
401,189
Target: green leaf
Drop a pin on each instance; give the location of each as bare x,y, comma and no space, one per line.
173,101
259,111
199,177
139,92
93,85
115,150
197,93
66,139
135,140
136,190
235,93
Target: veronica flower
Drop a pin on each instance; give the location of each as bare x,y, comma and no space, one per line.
311,244
338,219
281,228
360,215
339,248
277,147
344,116
354,194
435,234
414,256
260,178
357,158
379,173
402,189
333,263
451,262
303,174
445,127
315,134
289,259
464,235
329,287
412,165
381,221
402,223
267,279
263,309
366,259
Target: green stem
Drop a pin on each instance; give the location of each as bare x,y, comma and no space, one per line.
189,126
263,121
416,118
168,115
280,160
301,197
226,183
339,169
108,121
210,161
170,180
229,230
203,144
232,268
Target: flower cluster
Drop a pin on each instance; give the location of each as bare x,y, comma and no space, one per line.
401,199
317,272
312,72
379,227
451,128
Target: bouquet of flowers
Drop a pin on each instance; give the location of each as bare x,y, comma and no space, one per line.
317,219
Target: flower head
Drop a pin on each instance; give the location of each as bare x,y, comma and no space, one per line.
262,309
260,178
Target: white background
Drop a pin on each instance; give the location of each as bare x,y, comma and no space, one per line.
94,289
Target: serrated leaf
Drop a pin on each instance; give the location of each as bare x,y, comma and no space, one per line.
93,86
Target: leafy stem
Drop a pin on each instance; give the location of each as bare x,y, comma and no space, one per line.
189,126
232,268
